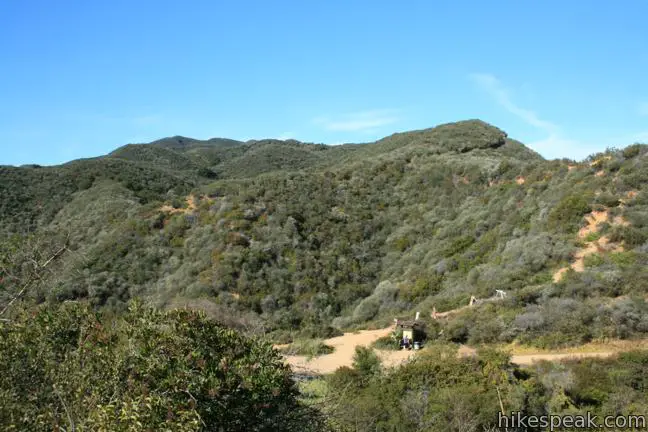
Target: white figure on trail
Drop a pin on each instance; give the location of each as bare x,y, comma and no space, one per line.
473,299
500,294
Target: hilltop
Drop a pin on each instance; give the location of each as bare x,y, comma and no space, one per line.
304,240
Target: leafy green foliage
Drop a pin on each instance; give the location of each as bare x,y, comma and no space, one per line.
68,367
307,347
366,362
568,213
439,391
388,342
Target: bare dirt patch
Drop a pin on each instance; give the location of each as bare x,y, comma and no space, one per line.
191,206
601,244
345,349
599,161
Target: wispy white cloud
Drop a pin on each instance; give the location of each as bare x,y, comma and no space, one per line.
363,121
555,144
491,85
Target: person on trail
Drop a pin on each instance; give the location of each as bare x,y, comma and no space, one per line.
406,342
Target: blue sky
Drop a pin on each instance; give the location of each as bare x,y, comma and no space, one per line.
80,78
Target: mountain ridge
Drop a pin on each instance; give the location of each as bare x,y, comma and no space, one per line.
188,144
297,239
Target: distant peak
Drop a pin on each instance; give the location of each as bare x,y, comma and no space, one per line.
461,136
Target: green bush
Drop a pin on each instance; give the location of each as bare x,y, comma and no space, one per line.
343,378
629,235
366,362
634,150
308,347
68,367
567,215
593,260
389,342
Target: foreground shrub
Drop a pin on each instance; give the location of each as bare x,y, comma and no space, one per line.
70,368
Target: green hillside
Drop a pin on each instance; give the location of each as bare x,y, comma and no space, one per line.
284,241
295,238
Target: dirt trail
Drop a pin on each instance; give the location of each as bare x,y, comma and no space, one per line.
602,244
345,348
528,359
450,312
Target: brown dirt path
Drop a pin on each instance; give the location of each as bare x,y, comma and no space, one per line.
603,244
345,348
528,359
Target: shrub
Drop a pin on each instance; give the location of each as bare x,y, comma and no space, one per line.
382,298
309,348
70,367
568,213
593,260
630,235
342,378
366,362
607,199
389,342
593,236
633,150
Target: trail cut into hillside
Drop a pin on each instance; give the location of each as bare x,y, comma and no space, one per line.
601,244
345,349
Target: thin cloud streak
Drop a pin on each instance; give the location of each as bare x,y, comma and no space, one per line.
555,143
491,85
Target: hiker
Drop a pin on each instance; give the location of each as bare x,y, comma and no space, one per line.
406,342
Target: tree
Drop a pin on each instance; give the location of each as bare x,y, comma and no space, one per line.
25,263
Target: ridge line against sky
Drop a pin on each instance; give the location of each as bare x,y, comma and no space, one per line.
80,79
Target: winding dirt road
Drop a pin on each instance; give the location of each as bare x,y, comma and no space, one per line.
345,349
